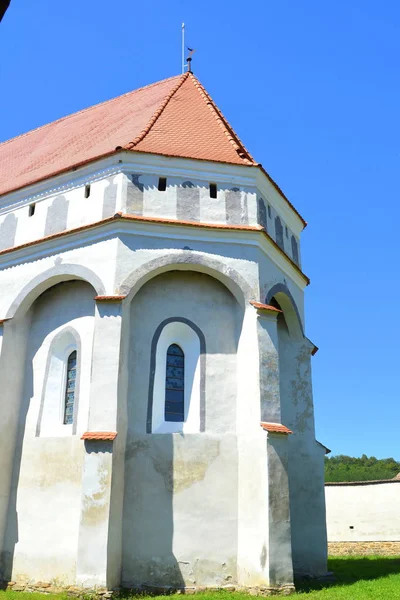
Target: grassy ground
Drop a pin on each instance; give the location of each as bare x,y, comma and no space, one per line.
357,578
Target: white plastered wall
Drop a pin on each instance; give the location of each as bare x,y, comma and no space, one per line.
110,255
48,469
363,513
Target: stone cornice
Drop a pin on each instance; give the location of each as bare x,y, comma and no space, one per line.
124,218
127,162
52,187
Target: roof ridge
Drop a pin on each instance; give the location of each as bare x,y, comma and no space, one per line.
88,108
157,114
236,141
224,123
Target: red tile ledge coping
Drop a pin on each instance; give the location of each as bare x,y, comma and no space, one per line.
265,307
109,298
2,321
161,221
101,436
314,350
275,428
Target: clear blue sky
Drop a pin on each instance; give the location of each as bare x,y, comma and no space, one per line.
313,89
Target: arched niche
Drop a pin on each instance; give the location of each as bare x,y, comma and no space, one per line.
57,274
51,412
280,295
191,340
186,260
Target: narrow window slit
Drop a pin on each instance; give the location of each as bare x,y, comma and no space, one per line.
32,208
162,184
87,190
213,190
175,385
70,389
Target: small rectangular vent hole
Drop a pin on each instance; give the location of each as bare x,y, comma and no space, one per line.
87,190
269,212
213,190
162,184
32,208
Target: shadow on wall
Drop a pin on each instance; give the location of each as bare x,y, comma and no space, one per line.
349,570
174,512
148,541
53,309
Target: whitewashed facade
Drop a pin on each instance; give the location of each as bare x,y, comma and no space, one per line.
102,263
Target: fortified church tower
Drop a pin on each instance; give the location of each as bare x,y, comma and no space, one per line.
157,419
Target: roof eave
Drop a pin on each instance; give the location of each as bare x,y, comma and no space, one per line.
281,193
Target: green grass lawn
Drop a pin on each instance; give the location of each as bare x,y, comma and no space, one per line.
357,578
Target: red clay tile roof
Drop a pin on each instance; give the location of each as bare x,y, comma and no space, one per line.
103,436
79,138
275,428
173,117
189,124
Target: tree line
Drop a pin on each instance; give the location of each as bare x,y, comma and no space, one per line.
349,468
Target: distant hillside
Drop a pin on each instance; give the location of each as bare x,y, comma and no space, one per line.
348,468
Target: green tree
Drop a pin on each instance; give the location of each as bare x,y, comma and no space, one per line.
349,468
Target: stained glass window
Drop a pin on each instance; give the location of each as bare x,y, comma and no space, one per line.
175,385
70,389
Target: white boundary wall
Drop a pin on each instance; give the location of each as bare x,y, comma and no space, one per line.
366,511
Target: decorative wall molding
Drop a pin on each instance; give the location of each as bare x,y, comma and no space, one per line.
161,221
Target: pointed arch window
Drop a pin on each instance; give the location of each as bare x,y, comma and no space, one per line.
70,389
175,385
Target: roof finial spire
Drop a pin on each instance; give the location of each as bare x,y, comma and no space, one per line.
183,48
188,62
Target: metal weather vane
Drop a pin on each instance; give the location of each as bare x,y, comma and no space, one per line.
188,63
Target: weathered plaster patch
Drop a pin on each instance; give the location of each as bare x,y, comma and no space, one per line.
233,205
8,229
209,571
186,467
95,503
188,202
57,214
134,195
110,198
